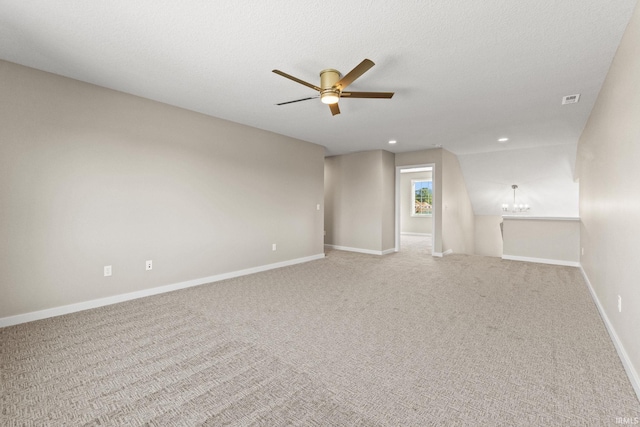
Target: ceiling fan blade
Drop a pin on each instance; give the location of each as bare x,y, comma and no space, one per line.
297,80
385,95
298,100
360,69
334,109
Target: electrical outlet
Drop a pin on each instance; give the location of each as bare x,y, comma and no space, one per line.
619,304
148,265
107,270
273,247
318,207
582,251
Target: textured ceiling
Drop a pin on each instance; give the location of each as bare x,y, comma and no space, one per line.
464,72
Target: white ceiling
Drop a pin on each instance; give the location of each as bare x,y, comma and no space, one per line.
464,72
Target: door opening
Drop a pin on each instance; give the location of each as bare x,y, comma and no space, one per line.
415,208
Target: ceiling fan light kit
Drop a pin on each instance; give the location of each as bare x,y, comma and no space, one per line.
329,96
332,86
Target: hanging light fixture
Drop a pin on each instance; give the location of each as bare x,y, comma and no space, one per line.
515,208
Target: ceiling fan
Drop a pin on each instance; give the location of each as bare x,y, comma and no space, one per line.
332,87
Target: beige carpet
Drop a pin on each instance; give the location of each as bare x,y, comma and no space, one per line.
350,340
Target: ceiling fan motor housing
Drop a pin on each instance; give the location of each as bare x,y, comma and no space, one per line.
328,78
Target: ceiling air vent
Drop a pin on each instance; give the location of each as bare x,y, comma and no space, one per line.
570,99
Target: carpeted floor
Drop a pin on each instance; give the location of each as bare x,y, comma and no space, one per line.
350,340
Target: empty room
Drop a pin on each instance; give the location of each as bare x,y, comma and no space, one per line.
319,213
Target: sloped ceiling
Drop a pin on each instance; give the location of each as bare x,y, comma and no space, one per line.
544,176
465,72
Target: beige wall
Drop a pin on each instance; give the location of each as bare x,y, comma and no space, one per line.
364,178
359,201
607,167
388,185
408,223
488,239
551,241
458,220
92,177
349,186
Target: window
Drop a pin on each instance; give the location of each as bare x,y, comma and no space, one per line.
421,197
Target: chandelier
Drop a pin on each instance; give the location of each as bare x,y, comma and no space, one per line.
515,208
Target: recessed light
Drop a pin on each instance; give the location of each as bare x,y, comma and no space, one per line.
437,145
393,141
503,139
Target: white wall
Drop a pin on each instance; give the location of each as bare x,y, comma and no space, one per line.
544,175
608,159
408,223
92,177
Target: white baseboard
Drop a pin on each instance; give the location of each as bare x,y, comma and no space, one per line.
442,254
542,260
72,308
409,233
359,250
634,378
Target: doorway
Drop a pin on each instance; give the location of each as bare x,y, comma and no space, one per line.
415,210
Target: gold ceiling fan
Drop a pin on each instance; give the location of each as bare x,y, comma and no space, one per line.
332,86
